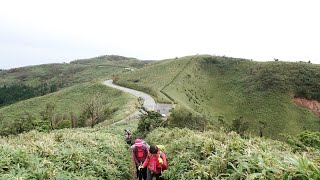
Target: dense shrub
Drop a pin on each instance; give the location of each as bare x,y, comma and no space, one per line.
310,138
181,117
302,79
304,140
216,155
149,122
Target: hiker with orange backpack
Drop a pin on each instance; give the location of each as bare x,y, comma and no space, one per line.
156,163
140,153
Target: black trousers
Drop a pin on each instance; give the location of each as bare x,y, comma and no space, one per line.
142,173
150,176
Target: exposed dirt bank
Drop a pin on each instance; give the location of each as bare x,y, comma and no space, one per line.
313,105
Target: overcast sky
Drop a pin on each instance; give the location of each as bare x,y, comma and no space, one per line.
38,32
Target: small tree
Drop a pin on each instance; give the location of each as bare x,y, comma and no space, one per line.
262,127
239,125
73,120
82,121
115,78
24,123
96,111
222,123
149,122
48,115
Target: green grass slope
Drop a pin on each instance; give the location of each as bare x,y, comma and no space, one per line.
260,92
67,101
85,153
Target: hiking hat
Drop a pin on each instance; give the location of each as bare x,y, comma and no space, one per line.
138,142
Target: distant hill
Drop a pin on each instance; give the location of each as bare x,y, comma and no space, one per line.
223,89
113,60
32,81
67,74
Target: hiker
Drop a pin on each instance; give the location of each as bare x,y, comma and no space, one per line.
144,143
140,153
128,136
156,163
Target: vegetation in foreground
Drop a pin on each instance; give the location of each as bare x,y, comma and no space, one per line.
219,155
82,153
77,106
101,153
224,89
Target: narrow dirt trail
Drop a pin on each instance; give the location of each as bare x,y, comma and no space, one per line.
149,103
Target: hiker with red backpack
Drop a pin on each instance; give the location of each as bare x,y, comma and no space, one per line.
156,163
140,153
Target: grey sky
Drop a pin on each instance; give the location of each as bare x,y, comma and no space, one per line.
40,31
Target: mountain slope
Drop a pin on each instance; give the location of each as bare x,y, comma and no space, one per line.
67,103
229,88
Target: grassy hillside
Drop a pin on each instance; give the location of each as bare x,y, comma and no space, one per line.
99,153
69,104
228,88
154,77
217,155
67,74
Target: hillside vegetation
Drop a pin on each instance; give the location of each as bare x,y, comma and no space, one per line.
223,89
217,155
66,108
99,153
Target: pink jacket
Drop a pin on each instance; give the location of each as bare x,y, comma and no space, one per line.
153,164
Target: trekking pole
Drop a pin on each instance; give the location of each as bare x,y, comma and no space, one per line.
140,171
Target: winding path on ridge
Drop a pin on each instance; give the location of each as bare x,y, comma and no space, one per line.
148,102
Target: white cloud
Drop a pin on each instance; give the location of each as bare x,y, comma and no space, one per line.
66,30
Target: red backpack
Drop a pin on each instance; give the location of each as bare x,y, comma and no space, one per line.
140,152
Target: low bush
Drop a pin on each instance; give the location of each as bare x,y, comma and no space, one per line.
304,140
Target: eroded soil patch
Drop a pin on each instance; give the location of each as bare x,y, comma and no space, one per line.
313,105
